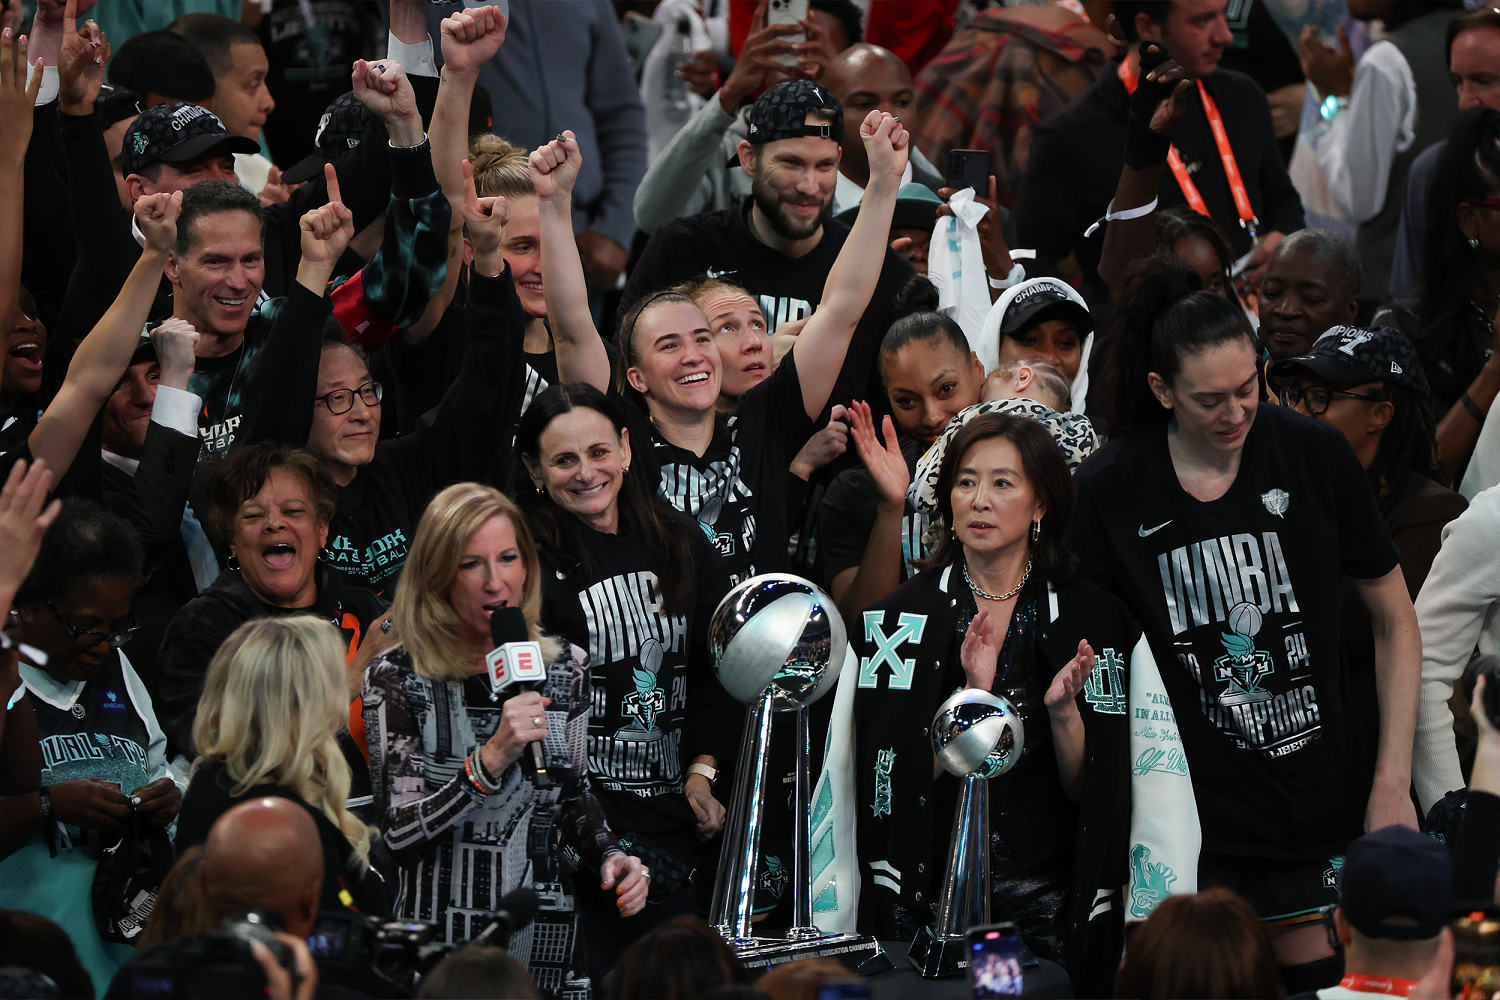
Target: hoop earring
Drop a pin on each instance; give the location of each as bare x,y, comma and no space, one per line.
1036,530
1108,20
232,563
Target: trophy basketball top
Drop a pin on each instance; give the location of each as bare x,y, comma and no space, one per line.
977,734
778,633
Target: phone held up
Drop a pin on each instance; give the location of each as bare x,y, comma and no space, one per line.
1476,955
995,961
969,168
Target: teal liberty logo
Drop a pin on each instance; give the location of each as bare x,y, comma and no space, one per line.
1105,686
773,880
1150,881
648,700
1242,665
1334,872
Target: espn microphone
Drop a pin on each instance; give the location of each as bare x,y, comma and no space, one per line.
516,659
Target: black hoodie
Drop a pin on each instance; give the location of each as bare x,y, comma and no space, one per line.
201,626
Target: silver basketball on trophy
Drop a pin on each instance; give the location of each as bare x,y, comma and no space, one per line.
777,632
977,733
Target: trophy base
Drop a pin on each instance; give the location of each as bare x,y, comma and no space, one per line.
861,953
937,955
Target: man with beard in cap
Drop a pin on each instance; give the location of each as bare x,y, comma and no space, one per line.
780,242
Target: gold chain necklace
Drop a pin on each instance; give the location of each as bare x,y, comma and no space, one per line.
1012,592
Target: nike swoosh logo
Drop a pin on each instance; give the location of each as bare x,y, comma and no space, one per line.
1146,532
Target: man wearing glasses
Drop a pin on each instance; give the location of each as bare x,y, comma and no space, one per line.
1370,385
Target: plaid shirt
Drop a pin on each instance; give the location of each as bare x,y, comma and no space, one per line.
992,83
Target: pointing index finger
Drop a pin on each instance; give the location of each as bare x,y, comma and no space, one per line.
70,16
331,175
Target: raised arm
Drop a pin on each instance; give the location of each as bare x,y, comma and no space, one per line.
1156,108
470,38
580,352
846,294
104,354
16,99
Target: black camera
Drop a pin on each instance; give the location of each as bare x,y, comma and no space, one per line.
207,967
349,947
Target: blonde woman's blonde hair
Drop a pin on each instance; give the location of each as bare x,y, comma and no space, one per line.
273,705
499,167
425,622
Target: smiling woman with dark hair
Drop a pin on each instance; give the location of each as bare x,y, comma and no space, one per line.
271,506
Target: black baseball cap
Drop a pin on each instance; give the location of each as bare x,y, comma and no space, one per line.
1348,355
781,113
1396,885
341,128
177,133
1040,299
115,104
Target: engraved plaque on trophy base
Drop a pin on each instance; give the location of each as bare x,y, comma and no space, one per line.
860,953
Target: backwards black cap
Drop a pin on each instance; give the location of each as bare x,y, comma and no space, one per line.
781,113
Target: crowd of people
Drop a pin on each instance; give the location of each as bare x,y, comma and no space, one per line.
1130,360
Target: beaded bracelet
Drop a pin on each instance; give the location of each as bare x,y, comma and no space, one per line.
474,780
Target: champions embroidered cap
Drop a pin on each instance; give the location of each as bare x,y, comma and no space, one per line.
1348,355
1396,885
781,113
176,133
341,128
1040,299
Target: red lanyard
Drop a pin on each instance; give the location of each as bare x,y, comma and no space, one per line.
1382,984
1226,156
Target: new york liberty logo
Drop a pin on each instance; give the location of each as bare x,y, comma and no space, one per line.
1242,665
1105,686
1150,881
648,700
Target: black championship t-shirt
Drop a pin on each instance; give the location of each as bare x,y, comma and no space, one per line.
848,515
719,244
1240,600
647,669
737,488
220,382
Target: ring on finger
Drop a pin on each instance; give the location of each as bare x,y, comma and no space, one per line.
536,720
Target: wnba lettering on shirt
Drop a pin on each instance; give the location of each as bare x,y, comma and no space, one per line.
637,657
1231,603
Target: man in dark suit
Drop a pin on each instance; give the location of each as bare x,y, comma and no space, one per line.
149,448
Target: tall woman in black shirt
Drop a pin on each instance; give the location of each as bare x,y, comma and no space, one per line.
1227,527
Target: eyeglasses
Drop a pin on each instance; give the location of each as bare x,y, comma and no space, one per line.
1318,397
93,636
342,400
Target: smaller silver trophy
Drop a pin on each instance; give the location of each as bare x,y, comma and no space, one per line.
975,736
778,643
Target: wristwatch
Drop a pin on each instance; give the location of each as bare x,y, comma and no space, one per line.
709,772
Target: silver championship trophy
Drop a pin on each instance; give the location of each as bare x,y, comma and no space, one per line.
975,736
778,644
